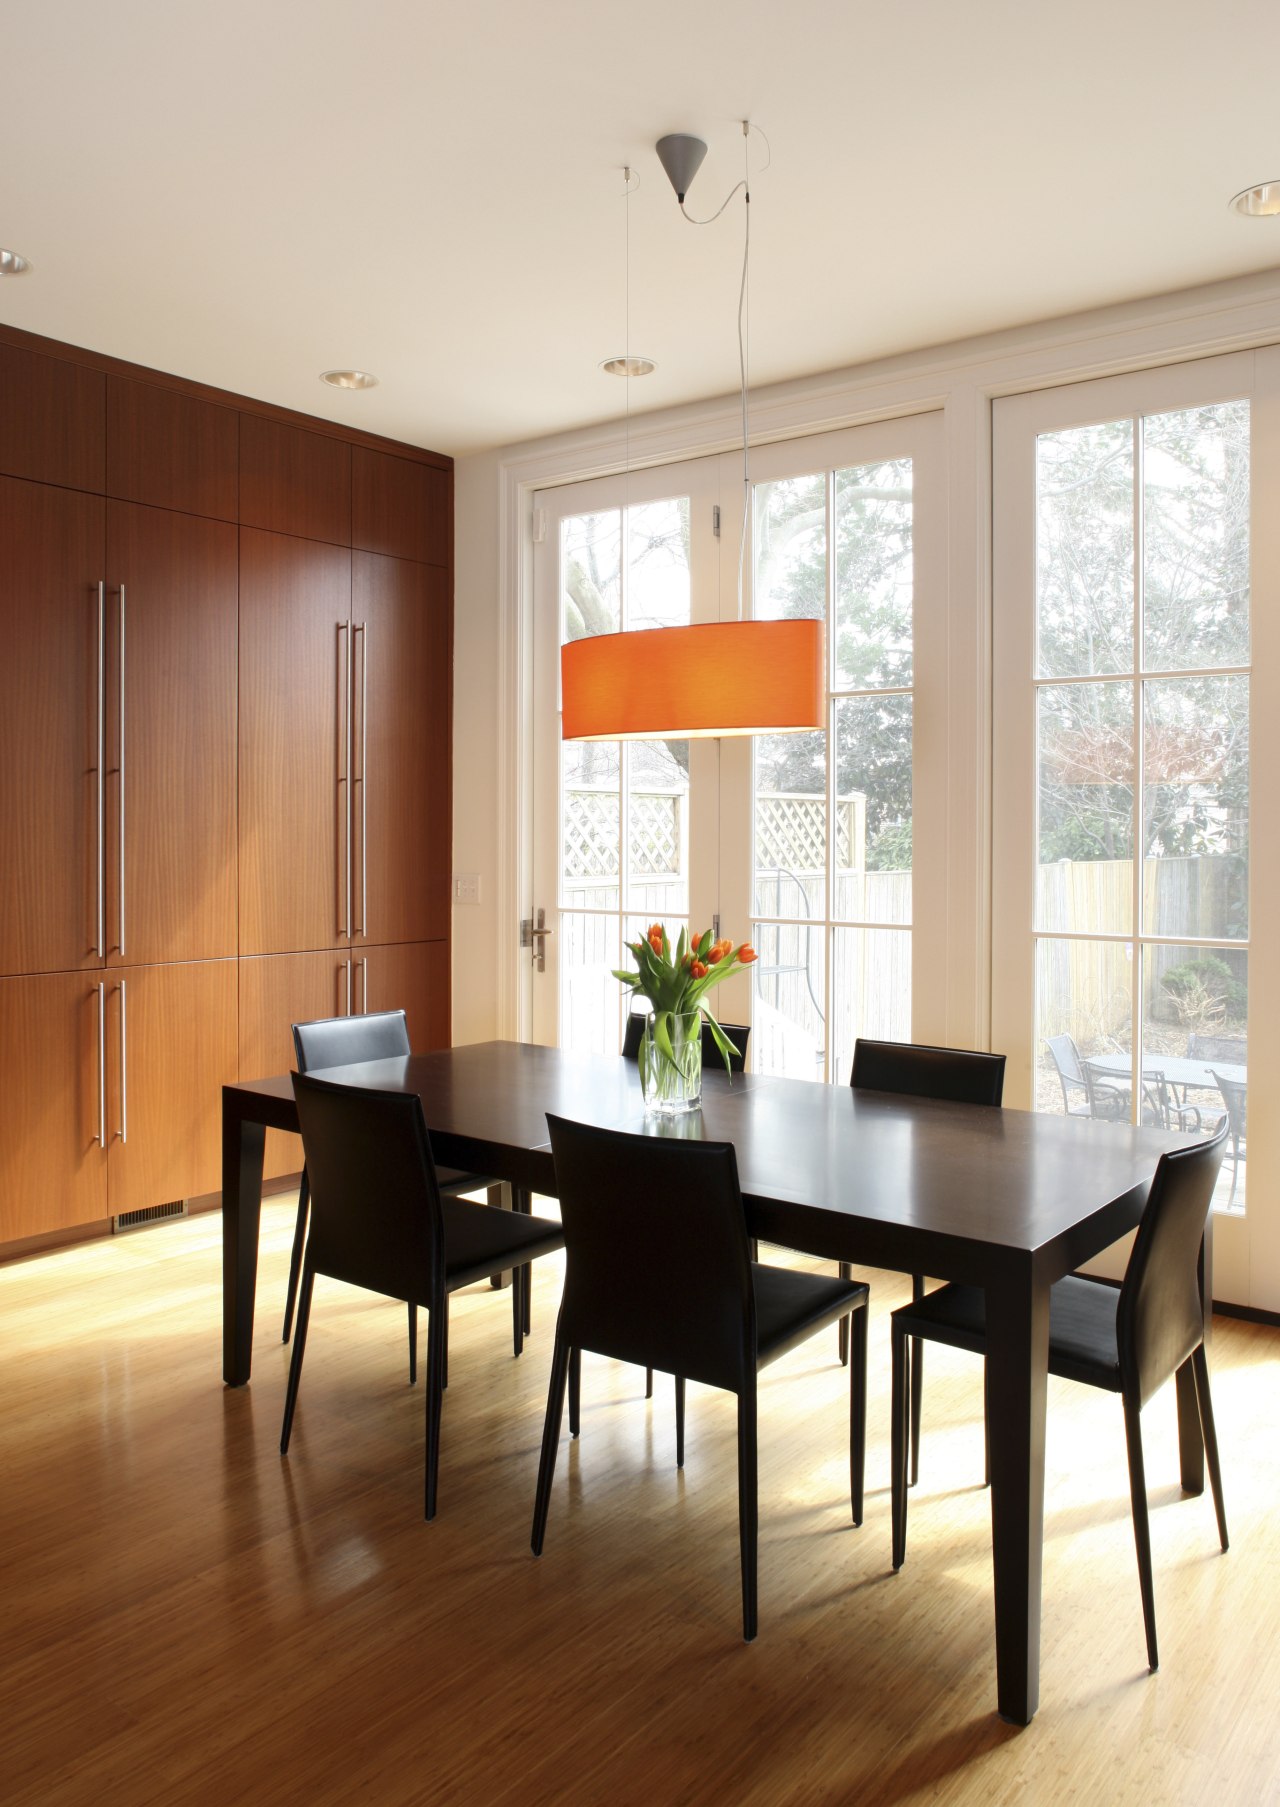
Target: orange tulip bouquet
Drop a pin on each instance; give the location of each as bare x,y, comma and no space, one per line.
676,985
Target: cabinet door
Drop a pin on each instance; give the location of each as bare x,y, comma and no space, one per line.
171,1047
401,798
53,1170
400,507
52,419
293,481
295,656
171,449
51,565
171,736
276,992
414,979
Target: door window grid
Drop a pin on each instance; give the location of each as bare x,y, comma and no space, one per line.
623,804
1142,730
837,545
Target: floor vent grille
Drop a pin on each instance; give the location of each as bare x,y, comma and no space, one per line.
138,1220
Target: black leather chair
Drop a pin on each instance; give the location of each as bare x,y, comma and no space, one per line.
378,1220
341,1041
685,1298
1128,1341
739,1034
957,1075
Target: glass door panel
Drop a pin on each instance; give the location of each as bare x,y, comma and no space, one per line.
1136,688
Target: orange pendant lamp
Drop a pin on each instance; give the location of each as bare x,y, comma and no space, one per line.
716,679
729,677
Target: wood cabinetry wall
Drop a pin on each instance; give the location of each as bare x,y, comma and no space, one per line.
225,743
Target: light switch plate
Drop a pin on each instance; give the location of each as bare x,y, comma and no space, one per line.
466,888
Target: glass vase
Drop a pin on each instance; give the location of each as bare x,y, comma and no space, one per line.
671,1061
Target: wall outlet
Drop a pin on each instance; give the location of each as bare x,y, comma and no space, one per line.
466,888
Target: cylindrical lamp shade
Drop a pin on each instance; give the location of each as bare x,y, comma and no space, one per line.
729,677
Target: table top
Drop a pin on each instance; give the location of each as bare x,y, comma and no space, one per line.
1176,1069
907,1183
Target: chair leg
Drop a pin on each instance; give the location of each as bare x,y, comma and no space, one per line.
648,1383
295,1253
575,1392
413,1344
842,1328
1141,1523
437,1344
748,1512
527,1294
1200,1369
858,1412
898,1414
679,1420
517,1307
299,1350
550,1442
917,1384
444,1352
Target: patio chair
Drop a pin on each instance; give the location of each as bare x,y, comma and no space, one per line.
1235,1096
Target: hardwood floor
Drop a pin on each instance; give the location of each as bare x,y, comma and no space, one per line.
188,1618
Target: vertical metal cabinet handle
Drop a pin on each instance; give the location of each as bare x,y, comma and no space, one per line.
364,988
124,1067
121,941
362,630
348,967
344,773
102,1064
102,701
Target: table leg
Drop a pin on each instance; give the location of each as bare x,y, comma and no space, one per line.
1017,1373
242,1144
498,1198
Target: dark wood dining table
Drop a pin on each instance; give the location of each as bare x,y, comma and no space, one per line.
1008,1200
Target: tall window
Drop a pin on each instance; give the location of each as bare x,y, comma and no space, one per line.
1137,687
832,829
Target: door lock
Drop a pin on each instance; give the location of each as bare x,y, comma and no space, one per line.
533,934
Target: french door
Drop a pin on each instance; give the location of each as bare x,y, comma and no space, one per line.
1136,692
805,844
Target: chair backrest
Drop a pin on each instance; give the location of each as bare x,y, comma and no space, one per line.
657,1265
1159,1318
375,1205
1235,1094
739,1034
341,1041
1233,1049
1066,1057
957,1074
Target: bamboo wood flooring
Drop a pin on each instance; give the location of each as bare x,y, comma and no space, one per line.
186,1618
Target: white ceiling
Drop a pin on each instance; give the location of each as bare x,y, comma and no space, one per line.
248,193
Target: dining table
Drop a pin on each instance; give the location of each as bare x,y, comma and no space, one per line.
1009,1200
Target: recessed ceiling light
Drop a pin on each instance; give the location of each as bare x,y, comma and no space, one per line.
632,366
12,263
1258,202
349,379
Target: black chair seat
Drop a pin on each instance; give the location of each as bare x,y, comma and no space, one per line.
792,1306
479,1241
1082,1327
